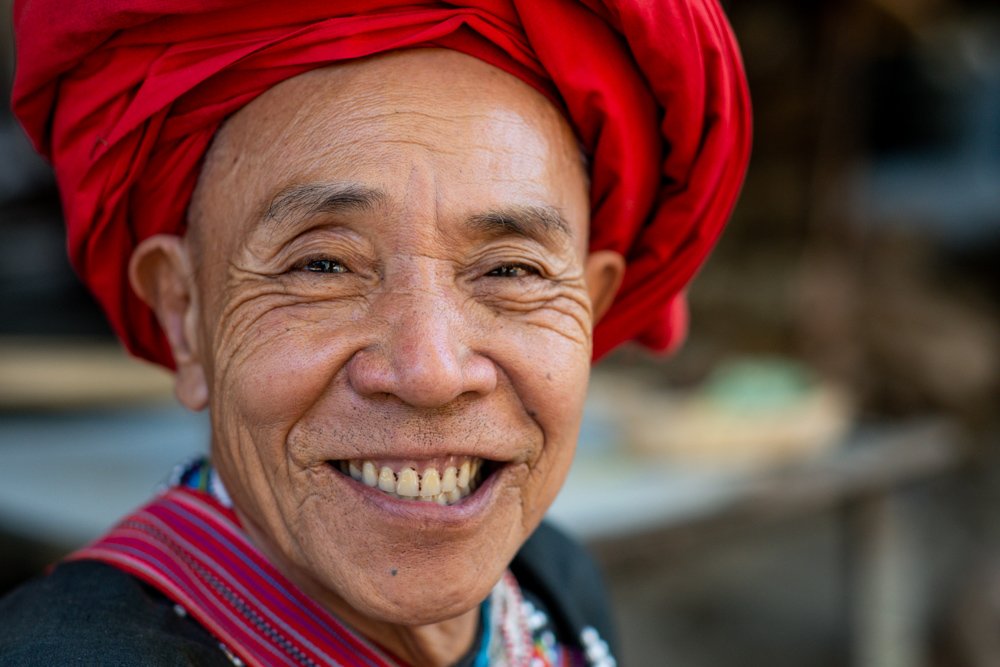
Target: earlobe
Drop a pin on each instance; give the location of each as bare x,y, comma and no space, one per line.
160,272
603,272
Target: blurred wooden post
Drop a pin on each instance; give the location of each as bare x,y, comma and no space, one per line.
885,596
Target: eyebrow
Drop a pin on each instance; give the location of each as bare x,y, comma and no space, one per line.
303,200
544,224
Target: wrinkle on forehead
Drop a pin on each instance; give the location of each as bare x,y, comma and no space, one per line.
373,108
357,97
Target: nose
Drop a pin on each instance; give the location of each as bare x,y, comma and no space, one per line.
424,355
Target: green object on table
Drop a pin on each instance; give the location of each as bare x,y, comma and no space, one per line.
757,385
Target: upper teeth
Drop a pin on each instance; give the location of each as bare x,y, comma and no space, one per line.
430,484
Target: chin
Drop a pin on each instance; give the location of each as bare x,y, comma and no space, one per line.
427,604
428,574
420,592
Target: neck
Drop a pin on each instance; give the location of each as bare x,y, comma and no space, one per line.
429,645
434,645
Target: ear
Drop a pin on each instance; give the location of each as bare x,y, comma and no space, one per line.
603,271
160,272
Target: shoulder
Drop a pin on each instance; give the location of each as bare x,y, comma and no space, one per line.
557,570
88,613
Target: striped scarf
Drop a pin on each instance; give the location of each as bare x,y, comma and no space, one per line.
189,546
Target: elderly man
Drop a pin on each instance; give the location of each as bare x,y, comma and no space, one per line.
373,241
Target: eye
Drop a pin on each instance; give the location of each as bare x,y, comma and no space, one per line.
512,271
324,266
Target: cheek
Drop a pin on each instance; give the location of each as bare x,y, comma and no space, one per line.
548,356
560,412
273,370
550,374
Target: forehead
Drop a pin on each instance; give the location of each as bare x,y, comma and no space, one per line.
425,128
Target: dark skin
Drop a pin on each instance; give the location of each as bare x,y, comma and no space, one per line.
387,260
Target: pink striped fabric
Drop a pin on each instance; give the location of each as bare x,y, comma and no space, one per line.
191,548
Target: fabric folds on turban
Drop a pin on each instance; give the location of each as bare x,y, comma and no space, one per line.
124,97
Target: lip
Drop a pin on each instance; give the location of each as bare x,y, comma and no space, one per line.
417,515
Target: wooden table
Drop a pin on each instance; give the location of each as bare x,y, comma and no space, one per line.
635,513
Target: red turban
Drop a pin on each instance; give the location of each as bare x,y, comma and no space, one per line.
124,96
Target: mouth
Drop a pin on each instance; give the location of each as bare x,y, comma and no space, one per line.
445,481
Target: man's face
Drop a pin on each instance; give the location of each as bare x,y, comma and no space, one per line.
394,326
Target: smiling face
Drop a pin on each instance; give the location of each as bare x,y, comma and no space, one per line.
385,288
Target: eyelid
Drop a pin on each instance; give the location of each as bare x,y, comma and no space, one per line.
333,242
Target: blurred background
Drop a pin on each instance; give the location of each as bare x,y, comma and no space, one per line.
813,480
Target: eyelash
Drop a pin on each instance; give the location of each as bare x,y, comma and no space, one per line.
324,265
506,270
334,266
